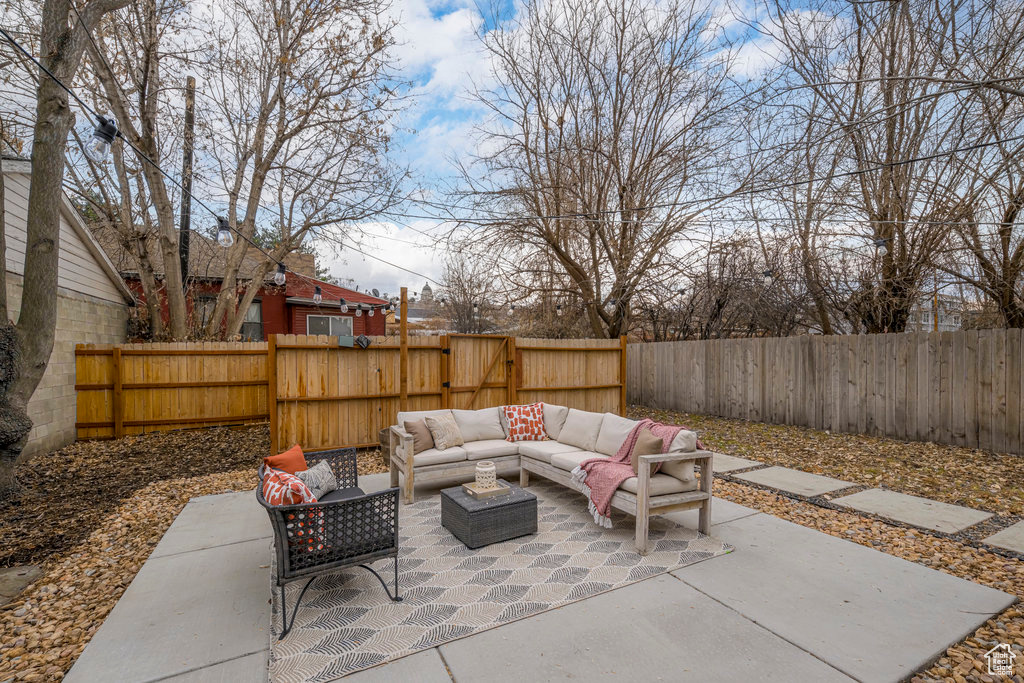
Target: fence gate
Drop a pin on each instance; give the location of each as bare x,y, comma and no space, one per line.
479,370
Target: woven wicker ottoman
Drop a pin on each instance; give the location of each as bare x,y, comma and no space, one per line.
491,520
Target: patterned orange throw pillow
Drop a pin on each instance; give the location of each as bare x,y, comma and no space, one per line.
525,423
281,488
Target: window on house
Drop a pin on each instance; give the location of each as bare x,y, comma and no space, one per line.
337,325
204,309
252,325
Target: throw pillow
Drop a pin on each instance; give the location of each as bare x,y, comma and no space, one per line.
306,529
282,488
291,461
421,438
646,444
319,479
525,423
444,430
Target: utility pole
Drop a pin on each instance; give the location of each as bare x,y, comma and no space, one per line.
186,179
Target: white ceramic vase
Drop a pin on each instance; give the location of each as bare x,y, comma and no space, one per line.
486,477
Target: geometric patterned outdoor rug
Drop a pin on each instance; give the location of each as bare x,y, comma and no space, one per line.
346,623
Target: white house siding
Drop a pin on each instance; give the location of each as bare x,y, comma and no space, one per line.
92,308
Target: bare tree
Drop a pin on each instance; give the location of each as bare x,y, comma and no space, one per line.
605,119
299,132
466,295
26,346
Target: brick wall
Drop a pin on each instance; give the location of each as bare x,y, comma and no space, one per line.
81,319
364,324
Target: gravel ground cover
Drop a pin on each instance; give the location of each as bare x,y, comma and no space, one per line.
962,476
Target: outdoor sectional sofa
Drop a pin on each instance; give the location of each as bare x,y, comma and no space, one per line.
574,436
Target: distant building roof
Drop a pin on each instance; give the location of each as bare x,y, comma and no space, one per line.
301,290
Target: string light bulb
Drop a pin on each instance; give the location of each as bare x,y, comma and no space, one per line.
344,305
280,277
98,147
882,243
476,308
511,309
318,295
370,313
224,236
558,309
767,277
359,310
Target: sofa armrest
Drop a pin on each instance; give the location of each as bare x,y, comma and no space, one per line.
678,456
645,465
400,445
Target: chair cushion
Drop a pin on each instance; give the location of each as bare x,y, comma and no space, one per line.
543,450
554,418
479,425
489,448
411,415
432,456
568,461
683,471
342,494
661,484
525,423
291,461
613,433
444,430
581,429
685,441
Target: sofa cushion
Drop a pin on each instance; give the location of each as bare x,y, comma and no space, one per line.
478,425
410,415
433,456
613,433
554,418
421,438
568,461
685,441
581,429
444,430
489,448
661,484
342,494
543,450
646,444
683,471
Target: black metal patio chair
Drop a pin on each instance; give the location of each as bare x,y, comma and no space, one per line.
345,528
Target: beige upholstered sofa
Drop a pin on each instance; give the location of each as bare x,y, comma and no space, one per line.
574,436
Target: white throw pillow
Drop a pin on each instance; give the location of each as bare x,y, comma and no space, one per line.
554,418
581,429
479,425
685,441
613,433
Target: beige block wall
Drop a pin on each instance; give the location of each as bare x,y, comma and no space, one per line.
81,319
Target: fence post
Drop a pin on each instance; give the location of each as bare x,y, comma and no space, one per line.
272,392
403,358
510,372
446,396
118,395
622,375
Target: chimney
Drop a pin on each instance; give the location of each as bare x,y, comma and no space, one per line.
303,264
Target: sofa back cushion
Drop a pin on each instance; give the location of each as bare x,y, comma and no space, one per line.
413,415
479,425
581,429
685,441
554,418
613,432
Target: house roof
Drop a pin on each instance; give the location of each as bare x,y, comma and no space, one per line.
206,258
300,290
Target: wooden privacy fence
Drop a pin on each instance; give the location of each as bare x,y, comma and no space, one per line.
962,388
136,388
322,395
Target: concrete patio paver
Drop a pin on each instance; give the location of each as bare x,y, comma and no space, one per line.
794,481
869,614
674,633
1010,538
728,463
425,666
921,512
210,521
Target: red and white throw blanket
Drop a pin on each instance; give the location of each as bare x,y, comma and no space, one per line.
599,478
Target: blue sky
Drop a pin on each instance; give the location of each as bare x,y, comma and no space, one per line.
439,52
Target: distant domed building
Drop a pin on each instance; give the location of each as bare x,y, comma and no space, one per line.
427,296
